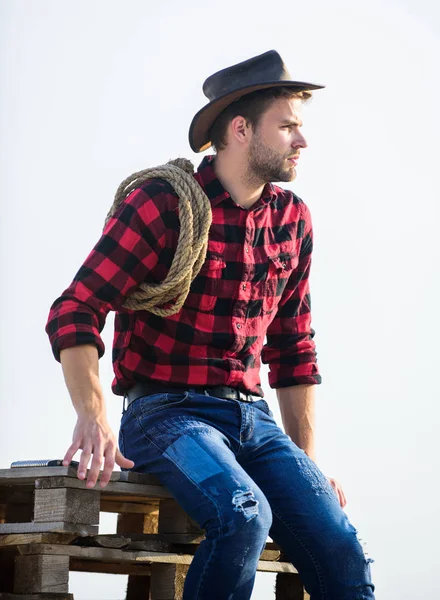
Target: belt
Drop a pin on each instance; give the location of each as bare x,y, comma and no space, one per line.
220,391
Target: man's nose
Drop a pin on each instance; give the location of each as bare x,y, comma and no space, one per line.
299,141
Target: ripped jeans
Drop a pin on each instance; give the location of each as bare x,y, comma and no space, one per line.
235,472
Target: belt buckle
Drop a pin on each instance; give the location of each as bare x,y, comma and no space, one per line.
245,397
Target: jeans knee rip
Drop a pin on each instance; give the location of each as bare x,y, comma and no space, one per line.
317,480
245,502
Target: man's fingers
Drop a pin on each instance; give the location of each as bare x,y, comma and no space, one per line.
84,461
95,467
109,463
123,462
338,491
71,451
343,499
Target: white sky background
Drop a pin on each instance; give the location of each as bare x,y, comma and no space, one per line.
92,91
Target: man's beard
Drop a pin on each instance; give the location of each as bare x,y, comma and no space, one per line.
266,164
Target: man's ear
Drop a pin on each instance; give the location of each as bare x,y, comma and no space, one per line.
240,130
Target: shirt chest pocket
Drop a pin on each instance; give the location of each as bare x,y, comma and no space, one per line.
279,269
204,289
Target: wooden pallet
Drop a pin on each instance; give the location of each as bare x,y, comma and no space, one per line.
49,526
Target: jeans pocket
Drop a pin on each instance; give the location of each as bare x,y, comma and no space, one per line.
156,402
264,407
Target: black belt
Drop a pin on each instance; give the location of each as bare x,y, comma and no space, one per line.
220,391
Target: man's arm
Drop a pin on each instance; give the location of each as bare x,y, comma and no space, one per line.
127,253
297,406
92,433
290,349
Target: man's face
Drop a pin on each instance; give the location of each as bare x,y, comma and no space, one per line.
276,142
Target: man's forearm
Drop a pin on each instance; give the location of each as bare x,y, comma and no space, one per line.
81,374
297,406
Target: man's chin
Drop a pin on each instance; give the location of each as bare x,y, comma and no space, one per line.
288,175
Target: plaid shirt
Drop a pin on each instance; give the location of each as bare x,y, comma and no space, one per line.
254,283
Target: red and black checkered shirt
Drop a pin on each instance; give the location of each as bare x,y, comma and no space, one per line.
254,283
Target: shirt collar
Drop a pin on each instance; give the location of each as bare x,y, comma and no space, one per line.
215,191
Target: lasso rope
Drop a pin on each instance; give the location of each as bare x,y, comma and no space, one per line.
195,220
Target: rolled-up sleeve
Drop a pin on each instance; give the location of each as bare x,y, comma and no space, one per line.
290,349
123,257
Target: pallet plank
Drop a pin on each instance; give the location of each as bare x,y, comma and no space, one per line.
145,508
127,556
36,538
173,519
167,581
50,527
27,475
113,487
138,588
43,573
7,596
288,587
76,564
104,541
64,504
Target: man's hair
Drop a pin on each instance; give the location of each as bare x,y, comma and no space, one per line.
252,107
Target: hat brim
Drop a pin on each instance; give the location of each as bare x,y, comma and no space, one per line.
204,119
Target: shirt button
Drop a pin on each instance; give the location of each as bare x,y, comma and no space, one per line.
238,326
246,248
243,286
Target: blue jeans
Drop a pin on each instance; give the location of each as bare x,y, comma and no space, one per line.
235,472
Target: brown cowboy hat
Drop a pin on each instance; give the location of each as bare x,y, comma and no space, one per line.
224,87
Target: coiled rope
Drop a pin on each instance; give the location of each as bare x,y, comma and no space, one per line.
195,217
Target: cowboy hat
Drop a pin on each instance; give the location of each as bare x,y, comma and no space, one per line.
224,87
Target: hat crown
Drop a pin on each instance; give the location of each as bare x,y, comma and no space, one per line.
254,71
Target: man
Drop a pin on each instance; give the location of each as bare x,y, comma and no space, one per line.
195,416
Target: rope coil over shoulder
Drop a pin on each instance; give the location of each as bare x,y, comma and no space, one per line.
195,217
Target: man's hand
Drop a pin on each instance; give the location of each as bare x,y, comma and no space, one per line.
338,490
94,437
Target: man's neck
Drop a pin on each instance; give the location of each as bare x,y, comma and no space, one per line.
232,174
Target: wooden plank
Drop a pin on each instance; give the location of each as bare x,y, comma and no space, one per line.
88,566
269,566
7,562
138,588
36,538
173,519
64,504
126,490
138,523
154,543
127,507
127,556
131,499
288,587
50,527
7,596
104,541
186,538
27,475
133,477
170,538
167,581
44,573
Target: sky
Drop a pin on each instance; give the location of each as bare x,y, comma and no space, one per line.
92,91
